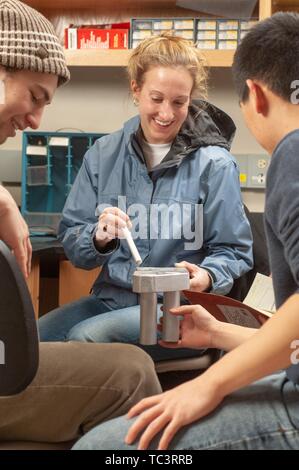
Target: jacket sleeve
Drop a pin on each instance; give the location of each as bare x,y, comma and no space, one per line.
79,221
227,238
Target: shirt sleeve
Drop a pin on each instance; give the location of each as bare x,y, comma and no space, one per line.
282,207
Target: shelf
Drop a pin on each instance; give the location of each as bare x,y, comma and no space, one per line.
119,58
93,4
140,7
97,58
286,3
143,7
219,58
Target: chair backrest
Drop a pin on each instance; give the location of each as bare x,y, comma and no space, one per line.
18,329
260,256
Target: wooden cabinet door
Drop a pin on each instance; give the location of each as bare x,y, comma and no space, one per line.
74,283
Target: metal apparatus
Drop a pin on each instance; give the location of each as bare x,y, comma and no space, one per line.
148,282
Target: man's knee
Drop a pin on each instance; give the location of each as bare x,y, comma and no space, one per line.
139,370
124,372
119,367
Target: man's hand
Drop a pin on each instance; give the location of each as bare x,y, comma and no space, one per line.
171,410
14,231
111,222
200,279
196,328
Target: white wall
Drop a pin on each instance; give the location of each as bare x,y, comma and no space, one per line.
98,100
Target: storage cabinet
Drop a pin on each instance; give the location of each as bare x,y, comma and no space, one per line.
50,163
74,283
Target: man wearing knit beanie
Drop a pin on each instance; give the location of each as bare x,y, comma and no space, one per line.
28,41
77,385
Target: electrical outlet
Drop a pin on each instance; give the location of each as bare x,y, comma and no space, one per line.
257,170
253,170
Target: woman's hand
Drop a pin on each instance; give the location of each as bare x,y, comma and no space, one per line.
14,231
111,222
171,410
196,328
200,279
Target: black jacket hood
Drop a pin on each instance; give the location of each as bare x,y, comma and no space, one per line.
205,125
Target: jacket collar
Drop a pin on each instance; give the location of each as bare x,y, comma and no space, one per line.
205,125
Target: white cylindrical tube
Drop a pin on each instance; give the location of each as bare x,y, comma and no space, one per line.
132,246
148,318
171,323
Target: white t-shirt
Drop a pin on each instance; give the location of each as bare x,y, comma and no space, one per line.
154,153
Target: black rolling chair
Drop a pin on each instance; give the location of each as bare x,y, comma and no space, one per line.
260,256
18,331
19,343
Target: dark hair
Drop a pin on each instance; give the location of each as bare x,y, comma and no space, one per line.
270,53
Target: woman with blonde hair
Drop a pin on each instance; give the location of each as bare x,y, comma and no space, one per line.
172,158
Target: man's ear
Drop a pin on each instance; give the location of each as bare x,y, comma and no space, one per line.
257,94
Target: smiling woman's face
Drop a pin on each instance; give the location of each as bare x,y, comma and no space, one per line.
26,94
163,100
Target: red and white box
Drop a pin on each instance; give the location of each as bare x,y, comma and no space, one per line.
93,38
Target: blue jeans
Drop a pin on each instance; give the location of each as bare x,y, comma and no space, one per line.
58,324
91,320
264,415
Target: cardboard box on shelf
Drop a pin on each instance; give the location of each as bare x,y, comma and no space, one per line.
92,38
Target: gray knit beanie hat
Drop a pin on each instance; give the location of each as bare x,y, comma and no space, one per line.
28,41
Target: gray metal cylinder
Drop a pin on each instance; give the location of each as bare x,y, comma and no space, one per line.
171,323
148,318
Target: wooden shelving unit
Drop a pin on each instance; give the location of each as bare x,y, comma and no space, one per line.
265,9
93,4
105,58
97,58
135,8
285,5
